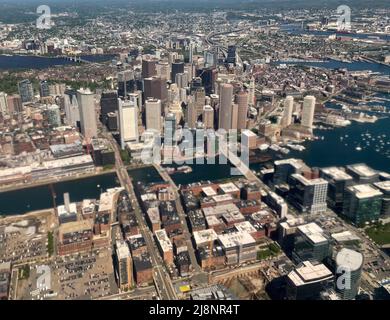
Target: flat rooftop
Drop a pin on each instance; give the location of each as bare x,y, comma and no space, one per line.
245,226
309,182
122,250
336,173
165,243
236,239
384,186
363,191
209,191
350,259
313,231
309,273
205,236
228,187
362,170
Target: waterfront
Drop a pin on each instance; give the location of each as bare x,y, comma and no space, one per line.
38,198
13,62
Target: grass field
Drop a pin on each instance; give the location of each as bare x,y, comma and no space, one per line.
379,233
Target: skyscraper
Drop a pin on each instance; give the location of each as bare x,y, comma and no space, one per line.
225,106
208,117
108,104
234,115
153,114
44,89
126,83
177,67
181,80
71,106
288,110
156,88
191,114
26,91
169,129
124,265
14,103
242,102
349,263
148,67
88,123
231,55
128,121
309,104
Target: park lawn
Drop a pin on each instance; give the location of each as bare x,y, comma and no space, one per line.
380,234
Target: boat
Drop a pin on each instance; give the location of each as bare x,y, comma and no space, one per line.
358,148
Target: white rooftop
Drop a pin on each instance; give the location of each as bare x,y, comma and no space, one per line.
209,191
245,226
313,231
229,187
204,236
162,237
122,250
336,173
349,259
236,239
363,191
309,273
362,170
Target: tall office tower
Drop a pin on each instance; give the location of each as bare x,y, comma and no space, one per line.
126,83
14,103
285,168
242,102
156,88
136,97
54,115
362,204
200,98
349,261
210,59
3,103
124,265
311,244
177,67
288,110
362,174
108,104
128,121
71,106
182,80
44,89
234,115
191,114
231,55
384,187
338,181
57,89
309,105
308,195
208,76
251,92
163,70
225,106
153,114
169,129
208,117
148,67
26,91
191,53
308,281
88,123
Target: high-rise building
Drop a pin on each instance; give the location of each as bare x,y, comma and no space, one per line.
208,117
200,98
126,83
231,55
169,129
181,80
153,114
252,92
308,195
208,76
3,103
108,104
44,89
124,265
88,122
307,281
288,110
54,115
338,181
148,67
71,106
26,90
309,104
14,103
384,187
177,67
362,203
191,115
311,244
155,88
242,102
362,174
225,106
349,263
234,116
128,121
285,168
